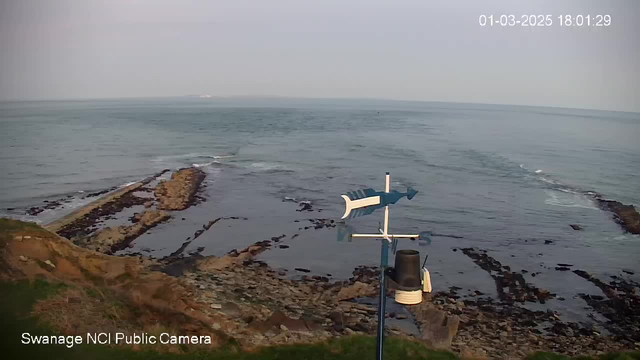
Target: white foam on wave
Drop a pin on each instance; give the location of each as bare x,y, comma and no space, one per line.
205,164
548,181
538,171
569,199
266,166
190,156
569,191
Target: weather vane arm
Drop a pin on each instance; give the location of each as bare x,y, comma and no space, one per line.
359,203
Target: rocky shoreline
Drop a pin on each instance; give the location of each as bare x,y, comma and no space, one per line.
510,326
178,193
264,307
258,305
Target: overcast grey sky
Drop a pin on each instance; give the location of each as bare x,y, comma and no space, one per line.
395,49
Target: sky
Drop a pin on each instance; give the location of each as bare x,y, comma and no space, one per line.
396,49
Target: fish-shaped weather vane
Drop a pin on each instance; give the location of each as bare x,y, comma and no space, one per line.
366,201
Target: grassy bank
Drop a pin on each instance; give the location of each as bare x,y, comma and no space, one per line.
18,299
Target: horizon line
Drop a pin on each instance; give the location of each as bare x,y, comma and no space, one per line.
287,97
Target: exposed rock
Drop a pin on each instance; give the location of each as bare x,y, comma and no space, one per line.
231,309
101,192
278,238
358,289
179,192
49,205
467,352
321,224
113,239
575,227
81,223
305,206
437,327
212,263
278,319
625,215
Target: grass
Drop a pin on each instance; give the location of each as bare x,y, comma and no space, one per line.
18,299
9,225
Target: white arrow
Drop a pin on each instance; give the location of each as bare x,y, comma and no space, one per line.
357,204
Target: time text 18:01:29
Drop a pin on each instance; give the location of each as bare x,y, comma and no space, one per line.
545,20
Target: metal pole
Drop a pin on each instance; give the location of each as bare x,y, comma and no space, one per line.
384,257
382,302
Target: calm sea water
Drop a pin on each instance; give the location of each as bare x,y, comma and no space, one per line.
505,178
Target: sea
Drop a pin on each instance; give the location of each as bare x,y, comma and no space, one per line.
506,179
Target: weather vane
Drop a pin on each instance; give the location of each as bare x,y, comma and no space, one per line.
407,278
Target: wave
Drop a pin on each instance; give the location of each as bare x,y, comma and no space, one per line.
190,156
548,181
269,167
560,194
205,164
570,200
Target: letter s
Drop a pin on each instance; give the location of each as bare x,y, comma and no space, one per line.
25,338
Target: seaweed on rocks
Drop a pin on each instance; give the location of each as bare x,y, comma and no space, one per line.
511,286
85,225
625,215
621,306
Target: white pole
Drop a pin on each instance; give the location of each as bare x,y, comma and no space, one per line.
387,188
